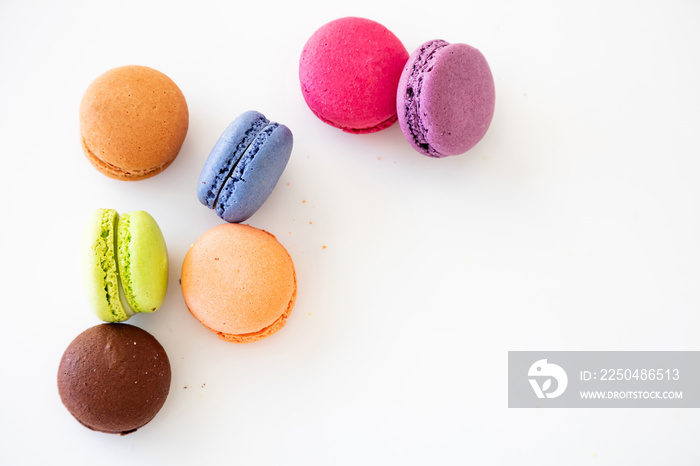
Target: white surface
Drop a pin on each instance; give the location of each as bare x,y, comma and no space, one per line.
574,225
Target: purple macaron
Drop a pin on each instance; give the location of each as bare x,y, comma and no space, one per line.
445,98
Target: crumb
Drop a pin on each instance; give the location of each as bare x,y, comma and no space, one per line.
287,184
311,223
304,201
203,385
379,158
216,258
324,247
309,313
185,387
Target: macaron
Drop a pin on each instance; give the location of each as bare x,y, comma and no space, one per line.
114,378
244,166
239,282
124,255
133,121
445,98
349,70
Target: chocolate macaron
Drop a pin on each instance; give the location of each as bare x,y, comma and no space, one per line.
133,121
114,378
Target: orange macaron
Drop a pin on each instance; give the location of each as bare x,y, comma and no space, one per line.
133,121
239,282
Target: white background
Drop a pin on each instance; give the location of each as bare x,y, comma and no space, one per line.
573,225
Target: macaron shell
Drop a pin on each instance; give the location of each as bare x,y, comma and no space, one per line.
143,261
256,174
239,282
133,121
227,151
114,378
458,96
99,264
260,334
349,70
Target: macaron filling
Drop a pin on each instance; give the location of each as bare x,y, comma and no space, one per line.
107,244
105,249
232,159
238,170
123,240
416,126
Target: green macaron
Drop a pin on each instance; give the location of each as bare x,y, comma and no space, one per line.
125,264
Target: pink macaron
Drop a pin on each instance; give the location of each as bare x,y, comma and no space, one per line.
349,70
445,98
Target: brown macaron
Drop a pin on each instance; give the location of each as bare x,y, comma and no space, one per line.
114,378
239,282
133,121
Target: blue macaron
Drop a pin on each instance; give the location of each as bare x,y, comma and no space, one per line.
244,166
